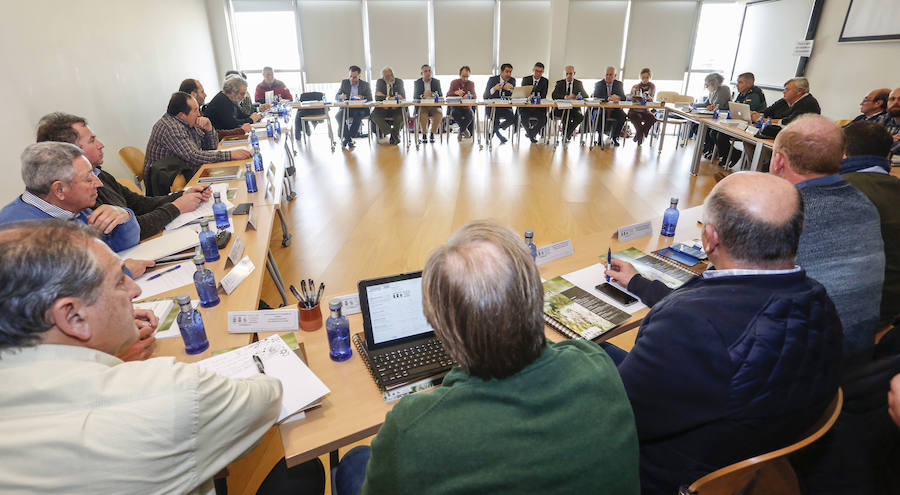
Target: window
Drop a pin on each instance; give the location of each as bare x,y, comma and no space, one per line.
715,46
268,38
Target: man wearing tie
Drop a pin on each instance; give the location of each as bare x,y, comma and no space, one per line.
352,88
569,89
610,89
534,119
427,88
501,87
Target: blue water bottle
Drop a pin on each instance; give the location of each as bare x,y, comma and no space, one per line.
220,211
338,329
257,161
190,323
205,282
250,177
716,112
278,128
254,139
208,242
270,129
529,241
670,219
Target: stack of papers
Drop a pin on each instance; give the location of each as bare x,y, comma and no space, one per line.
302,388
204,210
171,242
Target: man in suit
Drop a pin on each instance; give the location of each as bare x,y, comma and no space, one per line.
501,86
352,88
426,88
569,89
610,89
534,119
796,102
388,88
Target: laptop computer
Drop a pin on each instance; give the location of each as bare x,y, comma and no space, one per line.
739,111
400,344
521,91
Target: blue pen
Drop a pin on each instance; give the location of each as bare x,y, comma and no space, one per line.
608,261
160,274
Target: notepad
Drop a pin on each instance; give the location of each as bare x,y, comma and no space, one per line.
171,242
301,388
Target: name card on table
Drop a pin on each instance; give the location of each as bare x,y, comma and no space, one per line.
251,219
266,320
555,251
238,274
630,232
236,251
349,303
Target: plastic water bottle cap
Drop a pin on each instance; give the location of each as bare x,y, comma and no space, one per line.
204,224
335,304
199,260
529,233
217,195
183,299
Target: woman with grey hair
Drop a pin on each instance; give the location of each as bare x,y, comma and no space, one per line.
719,94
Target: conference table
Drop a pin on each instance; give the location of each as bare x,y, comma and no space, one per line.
355,409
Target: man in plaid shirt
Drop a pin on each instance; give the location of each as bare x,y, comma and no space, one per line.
184,133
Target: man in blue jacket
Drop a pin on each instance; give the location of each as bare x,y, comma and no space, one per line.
711,385
60,183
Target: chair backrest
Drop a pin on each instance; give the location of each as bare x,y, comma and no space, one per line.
134,158
178,183
737,478
668,95
130,185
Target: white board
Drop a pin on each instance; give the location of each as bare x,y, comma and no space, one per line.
871,20
770,31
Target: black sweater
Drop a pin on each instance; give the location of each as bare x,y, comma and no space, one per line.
152,213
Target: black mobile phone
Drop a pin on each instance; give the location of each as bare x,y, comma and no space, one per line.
618,294
242,209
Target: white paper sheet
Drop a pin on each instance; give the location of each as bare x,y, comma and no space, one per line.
181,276
171,242
300,385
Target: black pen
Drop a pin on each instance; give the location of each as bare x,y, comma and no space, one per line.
319,294
259,364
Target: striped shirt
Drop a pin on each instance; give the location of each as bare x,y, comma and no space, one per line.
50,209
736,272
173,136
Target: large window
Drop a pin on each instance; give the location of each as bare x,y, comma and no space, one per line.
715,46
267,38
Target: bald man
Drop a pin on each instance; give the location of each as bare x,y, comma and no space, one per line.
711,387
874,105
841,245
569,88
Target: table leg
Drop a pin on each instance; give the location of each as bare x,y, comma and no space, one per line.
272,268
416,129
757,154
602,118
698,151
476,131
662,132
285,233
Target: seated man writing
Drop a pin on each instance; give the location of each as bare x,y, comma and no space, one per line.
710,387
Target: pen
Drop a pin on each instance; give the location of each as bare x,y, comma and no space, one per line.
160,274
296,294
608,261
259,364
319,293
305,293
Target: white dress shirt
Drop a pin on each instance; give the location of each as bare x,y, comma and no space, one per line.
77,420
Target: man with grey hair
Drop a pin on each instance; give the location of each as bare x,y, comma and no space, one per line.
755,377
797,101
60,183
389,88
74,415
512,390
223,111
610,89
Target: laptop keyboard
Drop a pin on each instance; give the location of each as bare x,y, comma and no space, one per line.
402,365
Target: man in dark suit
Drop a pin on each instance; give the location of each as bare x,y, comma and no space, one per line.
610,89
534,119
352,88
569,89
388,88
425,88
501,87
796,102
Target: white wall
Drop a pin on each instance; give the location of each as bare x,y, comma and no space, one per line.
841,74
113,62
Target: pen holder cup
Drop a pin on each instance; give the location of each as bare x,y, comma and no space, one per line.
310,318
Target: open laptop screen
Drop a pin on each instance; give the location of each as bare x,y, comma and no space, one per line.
392,310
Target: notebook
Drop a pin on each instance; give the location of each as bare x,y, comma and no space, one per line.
400,345
655,267
574,308
521,91
739,111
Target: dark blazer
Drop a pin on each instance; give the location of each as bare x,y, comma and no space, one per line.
559,91
541,88
419,88
225,114
617,89
381,87
497,94
711,387
365,90
781,110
